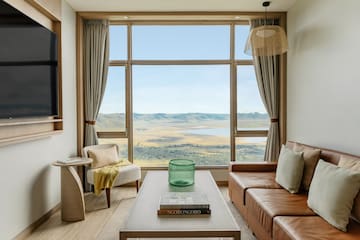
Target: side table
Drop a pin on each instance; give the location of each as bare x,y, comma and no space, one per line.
72,194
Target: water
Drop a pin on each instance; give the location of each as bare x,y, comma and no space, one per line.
222,132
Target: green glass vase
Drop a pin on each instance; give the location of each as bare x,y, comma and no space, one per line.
181,172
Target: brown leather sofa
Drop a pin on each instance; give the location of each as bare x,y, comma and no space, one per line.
271,212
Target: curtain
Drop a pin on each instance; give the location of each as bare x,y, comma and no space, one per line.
96,61
267,76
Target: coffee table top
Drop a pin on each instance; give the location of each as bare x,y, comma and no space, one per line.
143,216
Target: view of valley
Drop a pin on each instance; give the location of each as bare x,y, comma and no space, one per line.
202,137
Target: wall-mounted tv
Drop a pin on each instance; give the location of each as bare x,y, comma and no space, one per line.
28,66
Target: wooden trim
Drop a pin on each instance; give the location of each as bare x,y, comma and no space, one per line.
118,63
251,133
51,9
182,62
222,183
29,137
31,228
283,89
125,234
4,123
111,134
79,84
181,22
129,97
179,62
26,129
233,115
57,29
178,15
30,11
189,18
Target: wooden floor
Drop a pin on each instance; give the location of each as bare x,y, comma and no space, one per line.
103,223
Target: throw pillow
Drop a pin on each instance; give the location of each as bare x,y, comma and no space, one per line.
352,164
332,192
289,170
311,158
103,156
349,163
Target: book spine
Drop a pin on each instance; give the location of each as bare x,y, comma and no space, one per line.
184,211
185,206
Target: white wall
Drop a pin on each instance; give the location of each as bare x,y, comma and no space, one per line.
29,185
324,74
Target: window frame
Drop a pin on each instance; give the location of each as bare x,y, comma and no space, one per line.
232,62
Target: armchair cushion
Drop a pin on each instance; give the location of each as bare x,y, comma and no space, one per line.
103,156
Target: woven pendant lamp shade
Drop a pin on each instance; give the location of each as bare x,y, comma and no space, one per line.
266,40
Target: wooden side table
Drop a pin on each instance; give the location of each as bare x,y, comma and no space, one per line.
72,194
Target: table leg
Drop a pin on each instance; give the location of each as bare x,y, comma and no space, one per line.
72,196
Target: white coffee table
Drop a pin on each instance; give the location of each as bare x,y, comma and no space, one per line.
143,221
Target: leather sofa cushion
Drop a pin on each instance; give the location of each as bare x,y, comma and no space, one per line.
246,180
265,204
311,227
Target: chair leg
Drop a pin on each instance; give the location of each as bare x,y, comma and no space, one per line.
107,190
137,185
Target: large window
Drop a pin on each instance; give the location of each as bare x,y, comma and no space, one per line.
181,112
182,91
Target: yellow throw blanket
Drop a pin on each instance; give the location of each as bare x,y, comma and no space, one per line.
104,177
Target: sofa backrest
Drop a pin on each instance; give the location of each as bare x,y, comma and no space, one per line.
334,158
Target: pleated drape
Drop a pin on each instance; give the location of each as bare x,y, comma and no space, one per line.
267,76
96,61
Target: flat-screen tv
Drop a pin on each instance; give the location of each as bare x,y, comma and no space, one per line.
28,66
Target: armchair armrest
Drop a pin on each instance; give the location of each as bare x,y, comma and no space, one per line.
252,166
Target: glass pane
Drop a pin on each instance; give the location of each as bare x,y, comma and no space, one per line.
251,112
181,42
250,149
181,112
241,35
123,146
112,111
118,42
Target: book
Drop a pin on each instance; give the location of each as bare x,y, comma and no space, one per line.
184,212
184,200
71,160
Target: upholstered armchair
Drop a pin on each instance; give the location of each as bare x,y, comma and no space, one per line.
127,174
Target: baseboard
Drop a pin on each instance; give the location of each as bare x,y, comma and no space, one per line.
222,183
31,228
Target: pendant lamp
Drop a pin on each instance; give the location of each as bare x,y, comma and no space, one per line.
266,40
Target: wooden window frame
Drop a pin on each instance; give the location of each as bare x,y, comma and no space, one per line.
151,19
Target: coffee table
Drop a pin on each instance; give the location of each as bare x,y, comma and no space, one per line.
143,221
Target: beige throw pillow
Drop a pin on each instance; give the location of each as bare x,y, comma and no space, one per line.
352,164
311,158
103,156
332,192
289,170
349,163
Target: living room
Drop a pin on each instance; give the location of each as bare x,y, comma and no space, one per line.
213,111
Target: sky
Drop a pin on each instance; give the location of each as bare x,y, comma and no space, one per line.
180,89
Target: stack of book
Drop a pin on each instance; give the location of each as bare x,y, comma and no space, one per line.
184,203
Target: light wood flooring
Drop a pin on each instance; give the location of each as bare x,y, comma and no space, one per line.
103,223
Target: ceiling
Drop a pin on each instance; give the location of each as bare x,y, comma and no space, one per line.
178,5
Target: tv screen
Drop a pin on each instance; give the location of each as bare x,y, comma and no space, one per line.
28,66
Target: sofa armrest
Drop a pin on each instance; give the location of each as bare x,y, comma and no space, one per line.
252,166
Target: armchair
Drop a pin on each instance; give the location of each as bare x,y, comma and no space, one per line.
127,174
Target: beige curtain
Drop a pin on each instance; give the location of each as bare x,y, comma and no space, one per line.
96,61
267,76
